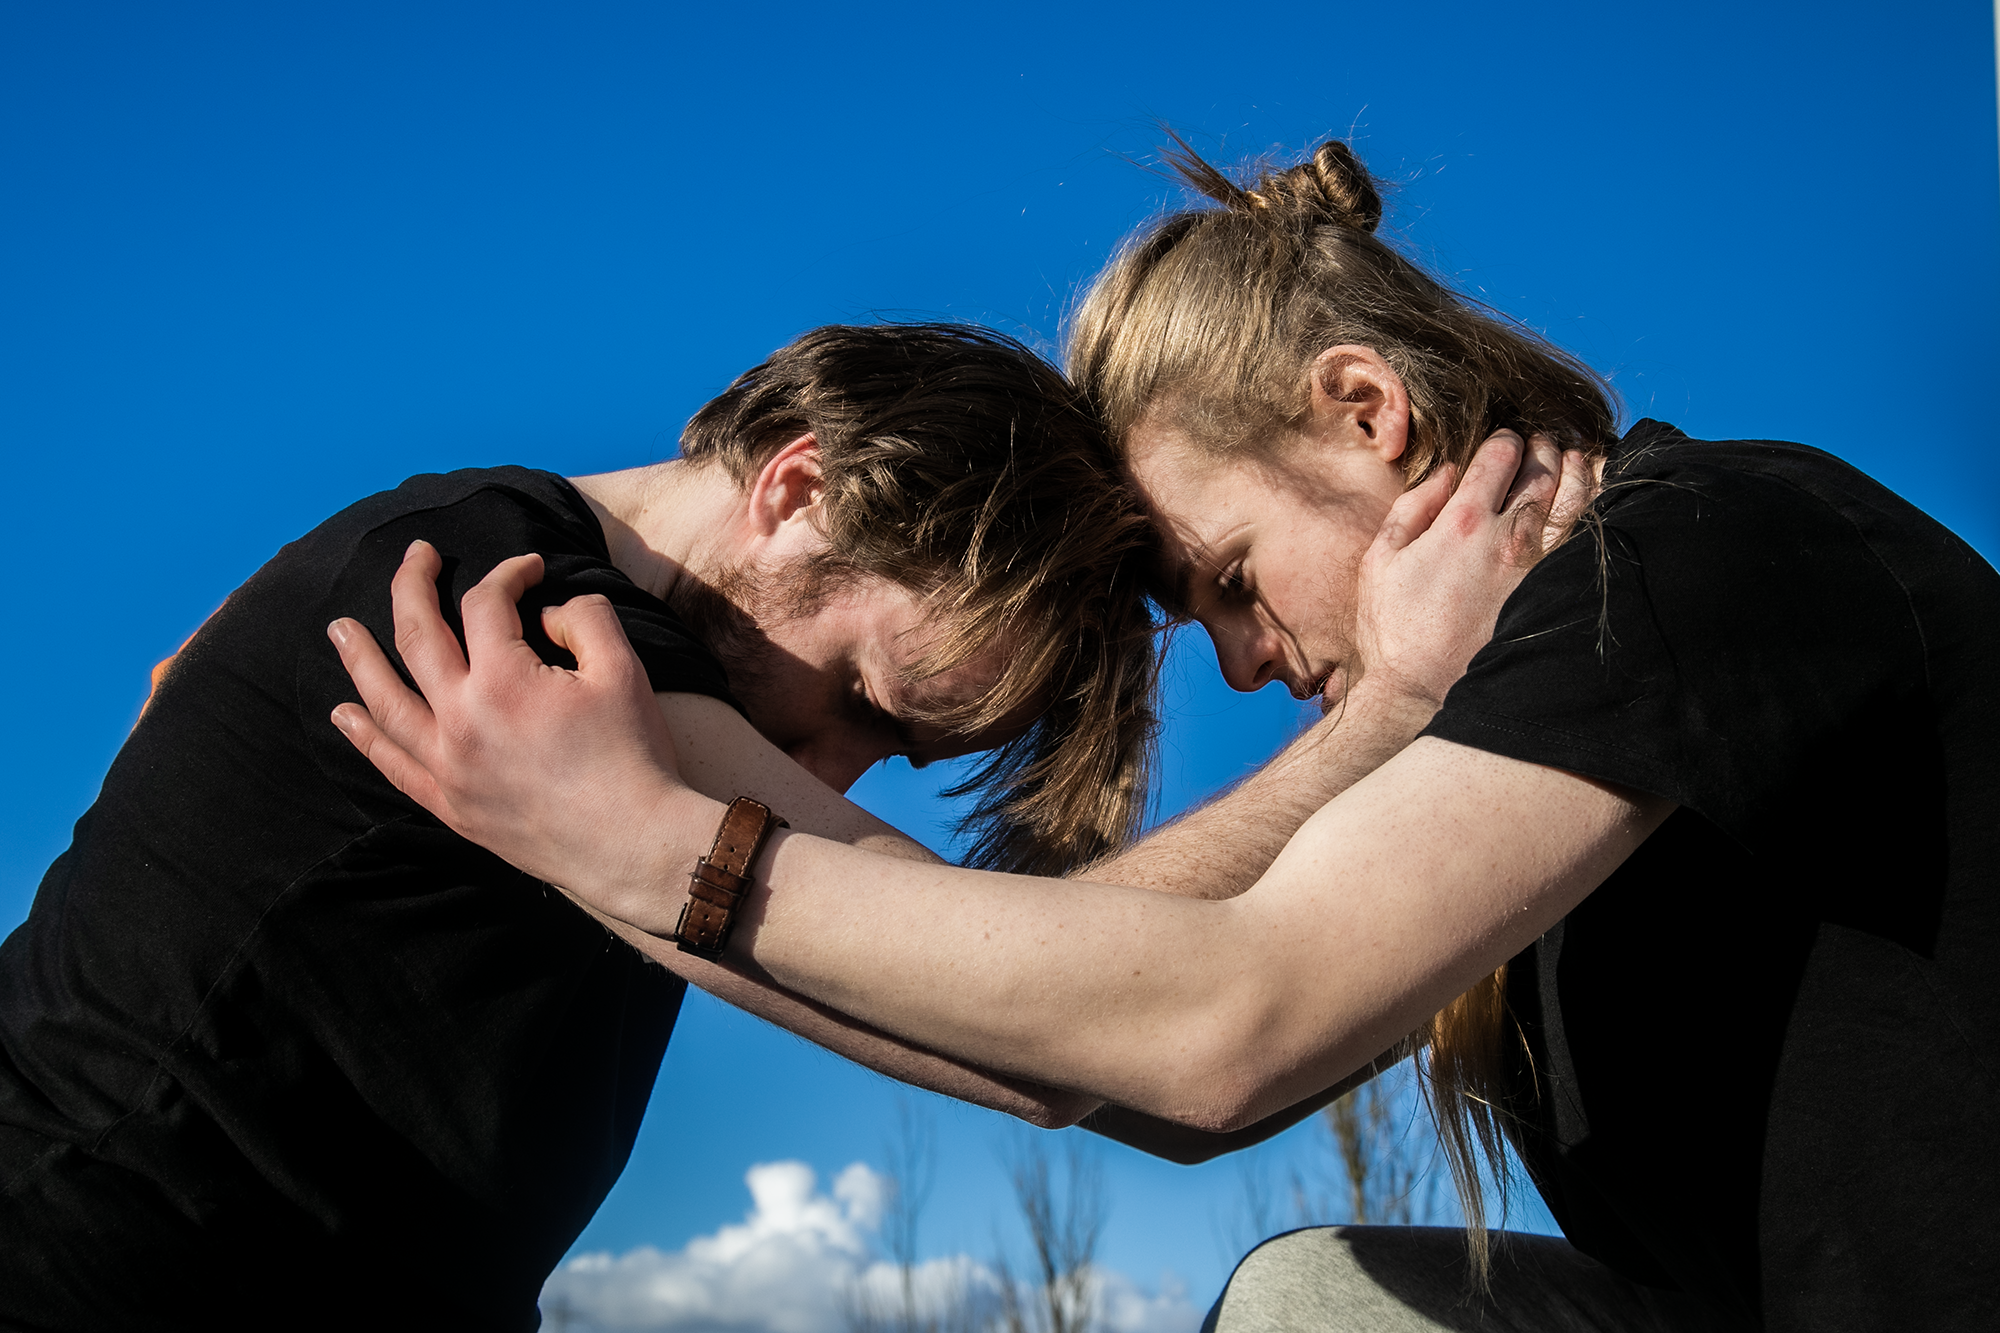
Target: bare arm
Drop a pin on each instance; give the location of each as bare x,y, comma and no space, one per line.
723,756
1218,849
1214,1014
1189,1146
1418,881
1392,900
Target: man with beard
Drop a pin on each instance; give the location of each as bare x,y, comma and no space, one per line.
274,1037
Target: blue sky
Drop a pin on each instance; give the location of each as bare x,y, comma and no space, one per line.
259,260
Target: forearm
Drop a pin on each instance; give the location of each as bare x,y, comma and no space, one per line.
722,757
1044,1107
1152,1001
1219,849
1390,902
1081,984
1216,851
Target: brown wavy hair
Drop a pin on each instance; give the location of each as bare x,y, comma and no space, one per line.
962,466
1211,317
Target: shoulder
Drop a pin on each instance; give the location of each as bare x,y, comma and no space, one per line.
476,518
478,506
1728,608
469,513
1762,525
480,515
1757,486
1766,492
1770,523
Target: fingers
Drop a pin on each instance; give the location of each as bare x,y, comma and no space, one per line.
392,760
396,705
1415,510
492,609
1527,504
1547,491
428,647
1490,474
1577,489
590,629
1536,479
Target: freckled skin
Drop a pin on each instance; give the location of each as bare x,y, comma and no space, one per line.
1271,550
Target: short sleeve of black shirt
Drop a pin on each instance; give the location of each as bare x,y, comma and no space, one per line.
272,1037
1758,1060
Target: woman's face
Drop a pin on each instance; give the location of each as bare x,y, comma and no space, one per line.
1265,550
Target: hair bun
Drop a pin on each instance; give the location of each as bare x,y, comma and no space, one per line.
1329,187
1332,184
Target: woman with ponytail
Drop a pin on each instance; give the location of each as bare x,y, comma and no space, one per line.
1687,886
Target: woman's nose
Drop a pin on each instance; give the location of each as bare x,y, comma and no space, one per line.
1247,653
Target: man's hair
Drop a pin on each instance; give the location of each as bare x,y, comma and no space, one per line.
962,466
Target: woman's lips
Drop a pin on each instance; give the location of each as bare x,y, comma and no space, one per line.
1318,686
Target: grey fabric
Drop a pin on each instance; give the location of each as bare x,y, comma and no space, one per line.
1413,1280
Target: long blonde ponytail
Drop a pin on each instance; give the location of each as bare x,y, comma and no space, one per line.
1462,1075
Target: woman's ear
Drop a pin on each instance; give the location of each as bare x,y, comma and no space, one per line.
1359,401
786,490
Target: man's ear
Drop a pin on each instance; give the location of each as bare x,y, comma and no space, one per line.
787,488
1358,400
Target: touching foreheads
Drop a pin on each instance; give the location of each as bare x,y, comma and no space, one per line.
957,463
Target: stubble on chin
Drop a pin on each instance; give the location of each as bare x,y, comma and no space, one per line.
731,611
723,613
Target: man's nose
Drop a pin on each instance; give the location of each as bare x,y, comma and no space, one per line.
1248,654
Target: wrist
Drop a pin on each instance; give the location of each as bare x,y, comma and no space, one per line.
719,885
686,826
651,884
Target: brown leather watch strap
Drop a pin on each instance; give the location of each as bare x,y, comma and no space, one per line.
719,881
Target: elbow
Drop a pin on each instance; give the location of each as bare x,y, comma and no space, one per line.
1223,1116
1195,1134
1056,1110
1234,1076
1224,1100
1065,1111
1160,1138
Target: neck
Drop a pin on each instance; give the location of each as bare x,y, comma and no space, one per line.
666,522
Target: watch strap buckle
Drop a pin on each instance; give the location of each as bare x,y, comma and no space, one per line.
720,881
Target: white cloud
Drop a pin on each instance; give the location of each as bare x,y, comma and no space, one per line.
794,1264
1125,1307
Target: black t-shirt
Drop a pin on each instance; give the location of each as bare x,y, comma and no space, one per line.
276,1047
1760,1060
